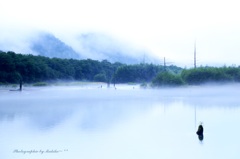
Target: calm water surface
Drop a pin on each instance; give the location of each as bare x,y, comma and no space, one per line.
127,123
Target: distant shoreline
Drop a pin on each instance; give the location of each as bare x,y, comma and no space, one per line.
70,83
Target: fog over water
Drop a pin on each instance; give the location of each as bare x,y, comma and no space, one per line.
91,122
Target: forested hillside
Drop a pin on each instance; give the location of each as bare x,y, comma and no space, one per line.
211,74
30,68
196,76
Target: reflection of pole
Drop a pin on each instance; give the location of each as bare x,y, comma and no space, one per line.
195,115
164,108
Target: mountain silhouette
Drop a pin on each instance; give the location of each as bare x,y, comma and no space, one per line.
48,45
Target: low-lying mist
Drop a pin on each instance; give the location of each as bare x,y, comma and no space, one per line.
119,121
81,96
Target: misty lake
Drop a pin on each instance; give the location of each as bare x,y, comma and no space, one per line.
89,122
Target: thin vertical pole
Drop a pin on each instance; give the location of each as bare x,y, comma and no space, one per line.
195,63
164,63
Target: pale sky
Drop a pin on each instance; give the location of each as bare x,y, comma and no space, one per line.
164,28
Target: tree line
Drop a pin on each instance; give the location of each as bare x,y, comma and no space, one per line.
200,75
30,69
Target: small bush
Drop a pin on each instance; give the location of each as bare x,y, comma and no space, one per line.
40,84
167,79
100,77
143,85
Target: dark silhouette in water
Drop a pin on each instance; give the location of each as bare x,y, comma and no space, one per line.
200,132
200,137
20,85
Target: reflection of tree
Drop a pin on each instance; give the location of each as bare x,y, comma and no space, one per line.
6,116
40,119
200,137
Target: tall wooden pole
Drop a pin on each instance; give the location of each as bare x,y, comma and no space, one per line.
195,63
164,64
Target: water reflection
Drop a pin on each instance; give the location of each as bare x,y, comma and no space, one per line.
201,137
129,123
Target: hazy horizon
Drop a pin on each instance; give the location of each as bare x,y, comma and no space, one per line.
162,28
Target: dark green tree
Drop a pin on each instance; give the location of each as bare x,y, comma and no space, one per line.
167,79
